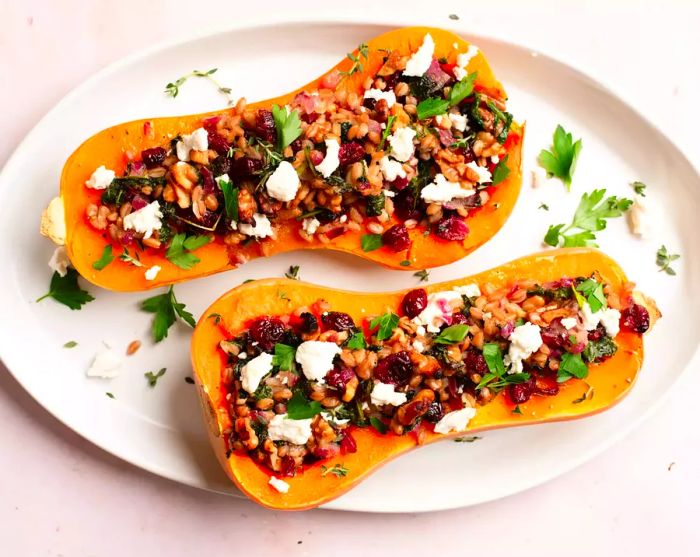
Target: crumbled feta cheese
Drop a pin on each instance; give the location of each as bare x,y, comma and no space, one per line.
242,355
378,94
253,372
331,161
419,63
281,428
330,418
53,222
152,272
463,59
458,420
261,229
310,225
59,261
418,346
316,358
100,179
495,159
609,317
343,219
443,191
384,393
401,142
639,219
279,485
198,140
484,173
459,121
391,169
438,310
106,365
569,323
469,290
420,330
283,183
146,220
389,193
525,340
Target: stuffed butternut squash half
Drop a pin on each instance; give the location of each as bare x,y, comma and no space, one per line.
403,153
306,390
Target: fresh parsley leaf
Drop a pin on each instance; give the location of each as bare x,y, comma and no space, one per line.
153,377
110,395
431,106
593,291
167,309
422,276
180,247
664,260
452,334
284,356
494,358
462,89
544,206
371,242
70,344
230,198
639,188
357,341
571,365
299,408
105,259
561,160
385,325
510,379
590,217
288,125
386,131
501,172
293,272
338,470
66,290
378,424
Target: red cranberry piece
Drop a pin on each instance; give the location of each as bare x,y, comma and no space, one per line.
218,143
555,336
546,387
369,103
296,145
414,302
287,466
406,205
396,238
244,167
138,202
435,77
459,319
208,182
350,152
339,376
507,329
338,321
310,118
474,362
267,331
153,157
348,444
309,323
391,80
326,451
596,334
521,392
434,413
400,183
451,228
636,318
265,126
395,369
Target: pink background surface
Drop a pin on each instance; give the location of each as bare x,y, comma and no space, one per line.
60,495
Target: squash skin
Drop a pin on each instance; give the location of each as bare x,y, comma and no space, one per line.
111,146
611,379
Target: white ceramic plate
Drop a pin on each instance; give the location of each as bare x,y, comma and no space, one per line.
160,429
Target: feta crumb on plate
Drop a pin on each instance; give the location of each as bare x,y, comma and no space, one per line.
106,365
53,222
279,485
401,142
59,261
152,272
100,179
378,94
443,191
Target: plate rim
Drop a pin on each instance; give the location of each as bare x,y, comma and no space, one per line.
582,70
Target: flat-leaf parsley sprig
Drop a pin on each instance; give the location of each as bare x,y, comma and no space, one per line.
590,217
561,160
66,290
167,309
172,89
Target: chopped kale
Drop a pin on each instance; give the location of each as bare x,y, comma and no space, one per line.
375,204
344,129
597,350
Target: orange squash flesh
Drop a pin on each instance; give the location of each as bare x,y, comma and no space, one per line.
114,146
610,379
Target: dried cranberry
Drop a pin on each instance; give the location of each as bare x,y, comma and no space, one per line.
265,126
221,165
153,157
138,202
296,145
546,387
597,333
391,80
400,183
337,321
474,362
218,143
451,228
414,302
207,178
369,103
459,319
434,413
396,238
339,376
351,152
395,369
348,444
287,466
310,118
555,335
267,331
406,205
435,78
636,318
324,216
521,392
244,167
309,323
326,451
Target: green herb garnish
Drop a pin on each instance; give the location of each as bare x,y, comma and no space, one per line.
284,356
110,395
544,207
452,334
385,325
167,309
357,341
216,317
517,409
300,408
664,260
561,160
288,126
66,290
371,242
126,256
386,131
501,172
362,51
593,291
230,198
70,344
378,424
338,470
105,259
181,246
434,106
293,272
173,89
571,365
467,439
639,188
153,377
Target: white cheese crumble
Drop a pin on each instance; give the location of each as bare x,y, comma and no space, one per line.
261,229
330,418
569,323
495,159
281,428
418,346
401,142
639,219
253,372
331,161
310,225
469,290
316,358
419,63
609,317
484,173
459,121
106,365
198,140
152,272
443,191
525,340
391,169
457,420
463,59
100,179
384,394
378,94
438,310
279,485
242,355
283,183
146,220
59,261
53,222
